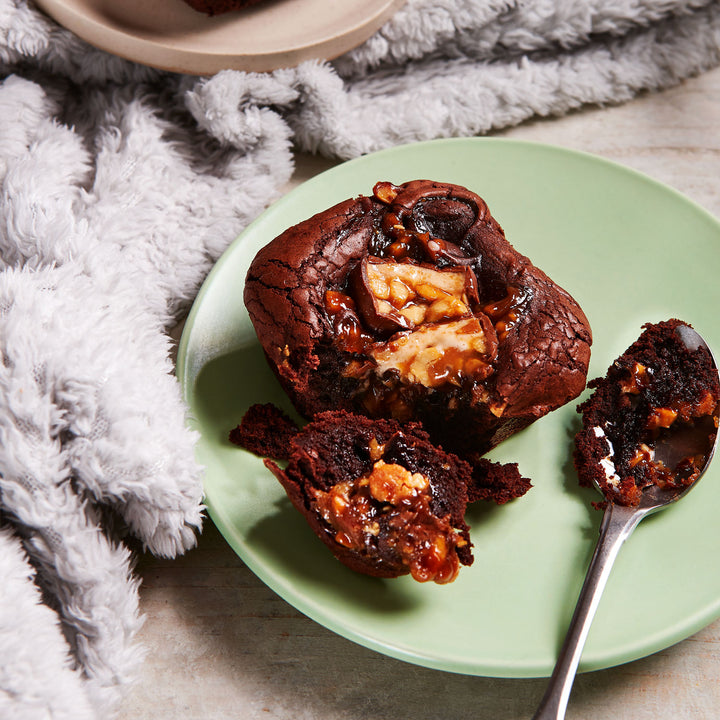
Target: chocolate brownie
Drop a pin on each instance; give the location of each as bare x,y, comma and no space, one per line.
411,304
217,7
496,482
379,495
265,430
663,385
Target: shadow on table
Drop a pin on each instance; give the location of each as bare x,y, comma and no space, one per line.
310,564
225,623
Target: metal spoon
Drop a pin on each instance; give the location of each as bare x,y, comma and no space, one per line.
617,524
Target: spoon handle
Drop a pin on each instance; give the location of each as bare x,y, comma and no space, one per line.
617,524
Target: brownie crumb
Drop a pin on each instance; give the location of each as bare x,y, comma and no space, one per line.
265,430
497,482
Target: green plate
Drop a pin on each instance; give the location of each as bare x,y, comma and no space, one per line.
631,251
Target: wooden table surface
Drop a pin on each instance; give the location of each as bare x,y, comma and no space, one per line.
220,644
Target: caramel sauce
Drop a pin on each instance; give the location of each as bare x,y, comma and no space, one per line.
395,502
674,447
400,249
661,418
385,191
382,398
408,243
337,302
349,332
655,472
407,323
453,366
391,224
643,454
436,355
638,380
506,312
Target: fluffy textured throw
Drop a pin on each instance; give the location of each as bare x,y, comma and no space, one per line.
120,186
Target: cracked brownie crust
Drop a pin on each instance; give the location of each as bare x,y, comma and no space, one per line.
411,304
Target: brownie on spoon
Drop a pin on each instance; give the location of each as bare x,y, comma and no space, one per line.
652,419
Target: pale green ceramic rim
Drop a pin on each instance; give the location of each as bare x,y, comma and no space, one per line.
631,251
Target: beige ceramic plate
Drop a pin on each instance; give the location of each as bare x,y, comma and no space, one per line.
170,35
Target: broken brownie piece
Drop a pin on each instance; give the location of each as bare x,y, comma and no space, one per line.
498,482
380,496
266,431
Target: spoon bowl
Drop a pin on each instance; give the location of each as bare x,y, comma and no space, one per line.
617,525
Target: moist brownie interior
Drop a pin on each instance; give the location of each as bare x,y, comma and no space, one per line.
380,496
660,390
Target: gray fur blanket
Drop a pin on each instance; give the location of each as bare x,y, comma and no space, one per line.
121,185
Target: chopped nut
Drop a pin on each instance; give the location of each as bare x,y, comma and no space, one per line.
376,449
638,379
643,453
399,293
437,354
385,192
459,540
428,291
373,529
339,503
391,483
415,314
379,288
706,406
394,296
446,307
661,418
